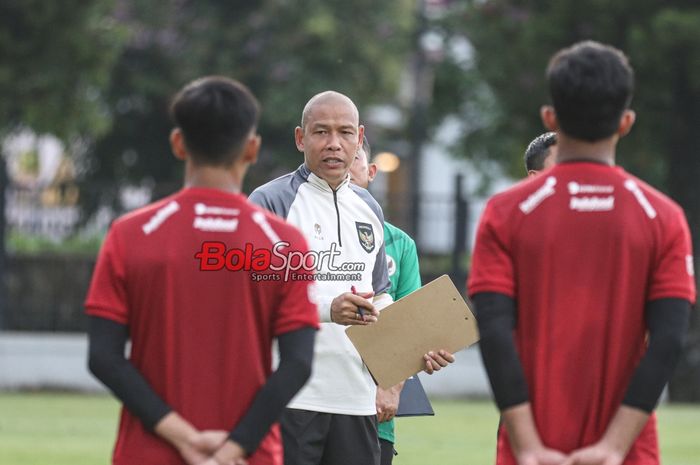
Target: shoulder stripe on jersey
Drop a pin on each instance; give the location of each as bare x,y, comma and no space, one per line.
537,197
259,218
632,186
160,216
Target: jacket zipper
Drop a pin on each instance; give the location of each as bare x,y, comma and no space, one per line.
337,214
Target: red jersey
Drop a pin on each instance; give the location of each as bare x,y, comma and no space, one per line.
202,339
581,249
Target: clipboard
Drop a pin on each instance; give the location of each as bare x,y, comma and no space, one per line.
433,317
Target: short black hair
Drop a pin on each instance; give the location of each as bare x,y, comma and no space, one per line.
366,148
538,150
591,85
215,115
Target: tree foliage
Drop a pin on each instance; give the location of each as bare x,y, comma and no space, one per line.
55,59
514,39
284,51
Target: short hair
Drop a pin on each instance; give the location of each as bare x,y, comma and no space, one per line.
366,148
538,150
591,85
215,115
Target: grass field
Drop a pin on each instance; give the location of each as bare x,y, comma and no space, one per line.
68,429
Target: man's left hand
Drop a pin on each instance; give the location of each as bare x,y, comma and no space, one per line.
434,361
596,454
388,402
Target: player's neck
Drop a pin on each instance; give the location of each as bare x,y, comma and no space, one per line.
229,180
570,149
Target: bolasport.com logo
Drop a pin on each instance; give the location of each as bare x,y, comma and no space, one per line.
279,263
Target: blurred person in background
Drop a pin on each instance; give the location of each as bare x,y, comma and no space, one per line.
541,154
404,273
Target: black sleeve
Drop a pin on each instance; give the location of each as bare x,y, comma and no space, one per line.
496,318
667,321
106,360
296,353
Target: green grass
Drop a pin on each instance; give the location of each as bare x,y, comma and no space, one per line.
71,429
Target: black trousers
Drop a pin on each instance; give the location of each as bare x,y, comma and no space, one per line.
317,438
387,454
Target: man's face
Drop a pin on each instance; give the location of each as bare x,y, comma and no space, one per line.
330,139
359,170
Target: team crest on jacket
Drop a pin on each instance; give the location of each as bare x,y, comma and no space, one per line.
366,236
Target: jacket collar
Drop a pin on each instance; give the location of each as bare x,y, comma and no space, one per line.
319,183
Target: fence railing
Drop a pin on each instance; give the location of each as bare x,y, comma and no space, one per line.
45,291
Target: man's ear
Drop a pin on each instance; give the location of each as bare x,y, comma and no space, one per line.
549,118
251,149
372,171
299,138
626,122
177,144
360,136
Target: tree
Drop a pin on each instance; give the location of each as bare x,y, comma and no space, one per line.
513,41
284,51
56,58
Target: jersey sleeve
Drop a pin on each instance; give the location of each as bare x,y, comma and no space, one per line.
409,276
259,198
380,273
107,296
492,264
297,306
673,274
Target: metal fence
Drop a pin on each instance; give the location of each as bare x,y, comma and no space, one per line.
44,288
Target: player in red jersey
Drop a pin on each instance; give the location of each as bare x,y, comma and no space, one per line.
571,270
200,362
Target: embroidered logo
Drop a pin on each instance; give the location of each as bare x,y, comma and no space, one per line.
317,232
365,234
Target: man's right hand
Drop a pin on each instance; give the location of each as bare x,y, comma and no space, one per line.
231,453
200,446
344,309
541,456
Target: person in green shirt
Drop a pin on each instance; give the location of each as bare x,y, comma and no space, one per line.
402,261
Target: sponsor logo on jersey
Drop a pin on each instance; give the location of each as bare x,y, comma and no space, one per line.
592,204
219,220
365,234
576,188
204,209
215,224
